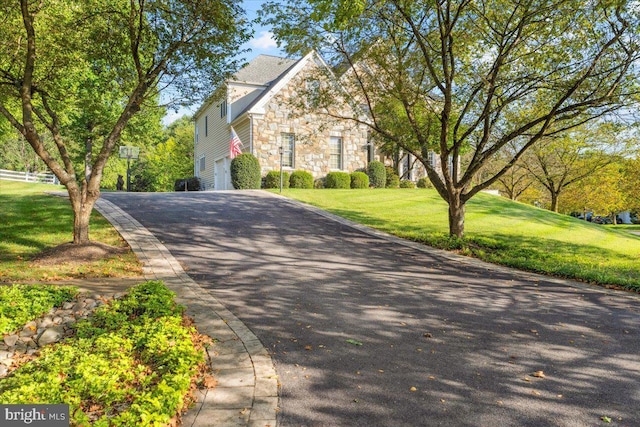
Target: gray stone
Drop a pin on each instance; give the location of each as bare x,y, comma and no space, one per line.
11,340
5,355
3,370
51,335
46,322
67,305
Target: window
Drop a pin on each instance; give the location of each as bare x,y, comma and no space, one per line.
201,164
206,125
432,159
335,152
288,141
223,109
196,133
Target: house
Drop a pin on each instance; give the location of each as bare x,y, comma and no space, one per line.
262,103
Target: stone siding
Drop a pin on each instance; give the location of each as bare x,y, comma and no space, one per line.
312,132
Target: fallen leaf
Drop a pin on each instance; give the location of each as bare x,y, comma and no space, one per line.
354,342
537,393
533,331
412,389
381,371
527,379
538,374
605,419
209,381
428,335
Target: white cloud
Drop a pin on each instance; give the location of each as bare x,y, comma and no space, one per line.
265,41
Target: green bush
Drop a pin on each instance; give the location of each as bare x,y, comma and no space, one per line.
424,182
319,183
405,183
245,172
359,180
272,180
130,364
20,304
301,179
377,174
338,180
393,180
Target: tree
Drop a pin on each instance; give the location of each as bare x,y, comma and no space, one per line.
94,64
563,161
171,159
492,72
600,192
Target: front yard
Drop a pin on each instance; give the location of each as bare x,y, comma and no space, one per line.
496,230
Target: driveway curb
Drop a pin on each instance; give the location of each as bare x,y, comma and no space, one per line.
247,389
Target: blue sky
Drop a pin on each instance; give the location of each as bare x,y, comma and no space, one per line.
262,43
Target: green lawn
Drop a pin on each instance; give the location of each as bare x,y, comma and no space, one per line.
32,221
496,230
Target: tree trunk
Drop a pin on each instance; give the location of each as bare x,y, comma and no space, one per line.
82,202
554,201
456,216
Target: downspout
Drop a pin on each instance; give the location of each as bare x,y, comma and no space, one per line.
251,134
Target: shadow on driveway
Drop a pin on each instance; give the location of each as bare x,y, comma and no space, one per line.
367,332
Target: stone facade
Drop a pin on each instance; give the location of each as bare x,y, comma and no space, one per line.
312,131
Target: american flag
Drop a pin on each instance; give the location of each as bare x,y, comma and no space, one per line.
234,144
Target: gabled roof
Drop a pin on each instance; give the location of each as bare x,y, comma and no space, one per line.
263,70
258,105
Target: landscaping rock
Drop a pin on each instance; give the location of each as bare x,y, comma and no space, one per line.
51,335
3,371
11,340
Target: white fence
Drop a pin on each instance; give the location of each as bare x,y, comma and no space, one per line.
41,177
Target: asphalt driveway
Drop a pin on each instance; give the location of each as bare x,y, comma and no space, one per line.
364,331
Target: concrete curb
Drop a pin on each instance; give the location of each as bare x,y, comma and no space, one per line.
247,390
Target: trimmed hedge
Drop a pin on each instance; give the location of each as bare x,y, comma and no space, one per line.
301,179
272,180
405,183
338,180
377,174
424,182
245,172
359,180
393,180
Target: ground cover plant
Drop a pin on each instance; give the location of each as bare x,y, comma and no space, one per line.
497,230
33,222
130,364
22,303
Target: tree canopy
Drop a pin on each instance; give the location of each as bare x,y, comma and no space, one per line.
492,73
73,74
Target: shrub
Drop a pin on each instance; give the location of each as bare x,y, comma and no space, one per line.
338,180
129,365
301,179
377,174
424,182
405,183
319,183
359,180
191,184
272,180
393,180
245,172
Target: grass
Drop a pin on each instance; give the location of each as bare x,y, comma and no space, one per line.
496,230
130,364
32,221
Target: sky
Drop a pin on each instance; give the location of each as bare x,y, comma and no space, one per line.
262,43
